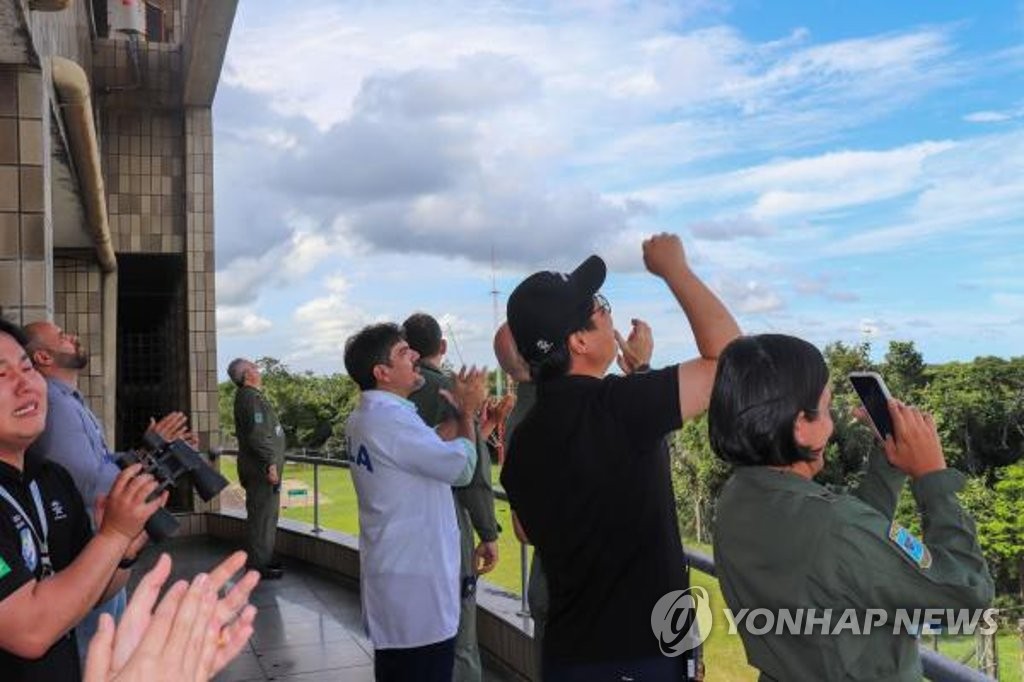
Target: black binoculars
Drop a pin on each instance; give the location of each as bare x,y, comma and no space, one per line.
167,462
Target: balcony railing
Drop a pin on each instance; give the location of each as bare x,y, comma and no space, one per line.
937,668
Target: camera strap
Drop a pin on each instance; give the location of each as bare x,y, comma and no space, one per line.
40,539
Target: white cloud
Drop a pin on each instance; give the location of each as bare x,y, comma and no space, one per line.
822,285
240,321
542,132
988,117
1013,301
461,333
838,180
977,184
809,185
325,323
242,280
730,228
749,296
273,138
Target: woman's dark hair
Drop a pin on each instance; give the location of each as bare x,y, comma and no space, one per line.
762,385
370,347
557,363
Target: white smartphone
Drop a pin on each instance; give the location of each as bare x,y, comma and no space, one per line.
874,395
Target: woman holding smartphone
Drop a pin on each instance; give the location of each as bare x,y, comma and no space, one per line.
794,547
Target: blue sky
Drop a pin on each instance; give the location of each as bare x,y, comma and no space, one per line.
838,171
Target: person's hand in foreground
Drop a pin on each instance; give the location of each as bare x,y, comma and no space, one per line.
636,350
191,636
914,448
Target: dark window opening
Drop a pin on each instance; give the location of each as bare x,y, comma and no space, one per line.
156,31
99,18
152,357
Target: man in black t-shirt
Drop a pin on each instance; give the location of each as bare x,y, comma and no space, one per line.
588,468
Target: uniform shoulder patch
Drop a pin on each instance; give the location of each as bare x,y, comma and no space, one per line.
257,417
4,568
913,548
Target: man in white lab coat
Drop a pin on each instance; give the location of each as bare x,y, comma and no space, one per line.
409,538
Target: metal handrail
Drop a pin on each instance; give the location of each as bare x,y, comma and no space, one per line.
937,668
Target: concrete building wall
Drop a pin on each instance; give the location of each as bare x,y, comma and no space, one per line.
200,266
78,305
157,166
25,285
143,159
65,34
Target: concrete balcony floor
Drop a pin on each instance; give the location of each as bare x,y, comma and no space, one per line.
308,628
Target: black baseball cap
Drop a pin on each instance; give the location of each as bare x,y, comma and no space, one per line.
548,306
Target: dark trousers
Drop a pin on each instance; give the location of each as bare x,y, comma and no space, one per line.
660,669
262,505
430,663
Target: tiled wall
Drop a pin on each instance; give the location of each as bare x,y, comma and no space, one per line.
157,84
200,277
24,285
78,308
143,157
158,172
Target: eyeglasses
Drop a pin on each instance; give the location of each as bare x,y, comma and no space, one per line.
601,304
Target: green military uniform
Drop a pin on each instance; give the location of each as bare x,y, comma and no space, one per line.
260,444
537,589
474,509
784,542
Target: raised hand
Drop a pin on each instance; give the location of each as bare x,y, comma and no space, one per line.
663,254
192,635
171,427
637,349
914,448
469,389
495,412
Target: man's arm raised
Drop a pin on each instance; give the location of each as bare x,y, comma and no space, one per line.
713,325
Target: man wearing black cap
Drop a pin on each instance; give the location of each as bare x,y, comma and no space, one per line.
588,468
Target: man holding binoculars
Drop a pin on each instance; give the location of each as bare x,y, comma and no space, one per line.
74,436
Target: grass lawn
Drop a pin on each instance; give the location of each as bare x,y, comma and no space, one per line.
1008,651
724,654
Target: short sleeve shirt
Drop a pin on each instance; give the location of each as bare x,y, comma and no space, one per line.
20,560
588,476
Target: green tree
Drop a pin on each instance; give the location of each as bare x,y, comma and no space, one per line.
309,406
851,441
843,359
979,409
999,512
903,371
698,476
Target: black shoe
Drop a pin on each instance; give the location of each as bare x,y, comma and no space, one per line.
276,565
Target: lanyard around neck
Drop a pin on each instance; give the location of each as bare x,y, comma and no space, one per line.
41,539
